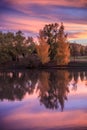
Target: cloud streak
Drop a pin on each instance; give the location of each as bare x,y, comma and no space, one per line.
33,15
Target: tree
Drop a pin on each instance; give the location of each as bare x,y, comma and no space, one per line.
82,50
43,50
57,39
75,50
31,45
49,32
12,46
19,44
86,50
62,48
6,40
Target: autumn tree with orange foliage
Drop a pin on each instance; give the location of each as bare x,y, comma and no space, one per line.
57,39
62,48
43,50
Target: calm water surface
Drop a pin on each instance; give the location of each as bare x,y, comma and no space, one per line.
43,100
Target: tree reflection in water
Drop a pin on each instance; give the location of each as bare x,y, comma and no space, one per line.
13,86
52,86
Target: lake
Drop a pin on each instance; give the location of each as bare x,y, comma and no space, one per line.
43,100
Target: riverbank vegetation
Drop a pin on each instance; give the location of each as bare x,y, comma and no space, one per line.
52,48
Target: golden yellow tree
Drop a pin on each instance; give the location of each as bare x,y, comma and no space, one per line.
43,50
62,48
62,53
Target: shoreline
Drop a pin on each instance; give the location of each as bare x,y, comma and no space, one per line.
72,65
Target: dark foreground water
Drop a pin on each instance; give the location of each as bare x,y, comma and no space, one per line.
42,100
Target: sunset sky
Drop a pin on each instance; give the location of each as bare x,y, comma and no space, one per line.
30,16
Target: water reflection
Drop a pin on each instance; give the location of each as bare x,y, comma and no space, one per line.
14,85
52,86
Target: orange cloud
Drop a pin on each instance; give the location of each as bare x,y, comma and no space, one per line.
76,31
78,35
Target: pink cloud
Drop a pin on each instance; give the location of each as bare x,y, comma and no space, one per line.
81,3
47,119
34,25
22,23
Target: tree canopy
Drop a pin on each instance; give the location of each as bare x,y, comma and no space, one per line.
57,39
12,45
53,46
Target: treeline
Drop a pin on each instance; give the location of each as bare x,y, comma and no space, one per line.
14,45
78,50
52,46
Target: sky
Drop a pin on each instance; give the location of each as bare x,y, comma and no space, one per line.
30,16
